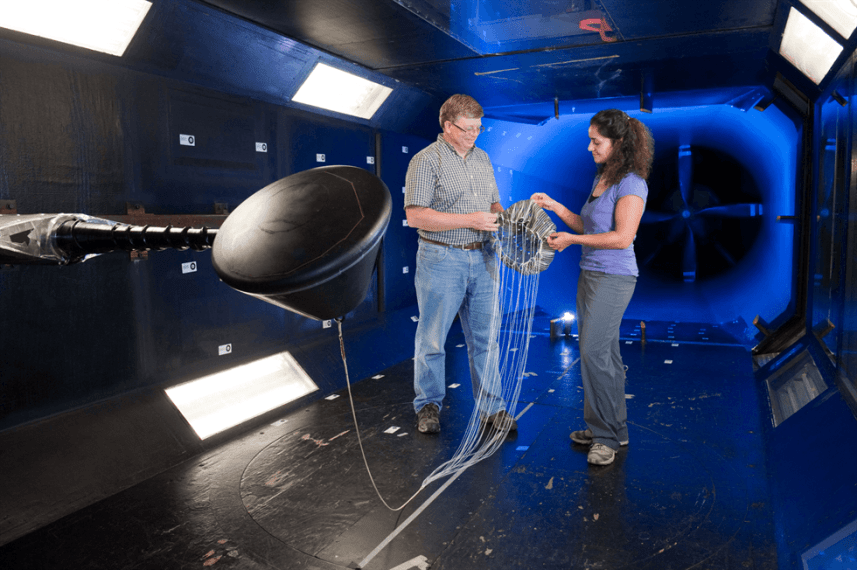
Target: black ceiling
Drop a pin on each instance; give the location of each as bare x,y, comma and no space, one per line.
515,52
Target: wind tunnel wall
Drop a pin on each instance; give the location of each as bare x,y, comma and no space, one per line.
761,148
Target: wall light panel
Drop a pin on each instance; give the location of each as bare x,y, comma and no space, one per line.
336,90
214,403
100,25
808,47
841,15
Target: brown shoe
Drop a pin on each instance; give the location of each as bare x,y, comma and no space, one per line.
428,419
501,421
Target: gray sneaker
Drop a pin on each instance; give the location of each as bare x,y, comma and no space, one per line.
501,421
584,437
428,419
600,454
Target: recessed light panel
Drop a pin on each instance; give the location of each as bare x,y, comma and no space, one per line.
100,25
214,403
841,15
336,90
808,47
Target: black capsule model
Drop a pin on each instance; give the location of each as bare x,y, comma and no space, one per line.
308,242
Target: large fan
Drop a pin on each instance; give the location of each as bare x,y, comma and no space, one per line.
702,216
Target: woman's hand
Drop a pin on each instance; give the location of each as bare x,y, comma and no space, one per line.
560,240
544,201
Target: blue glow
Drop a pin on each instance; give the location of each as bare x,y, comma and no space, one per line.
553,158
837,552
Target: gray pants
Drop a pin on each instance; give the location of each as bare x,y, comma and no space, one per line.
601,302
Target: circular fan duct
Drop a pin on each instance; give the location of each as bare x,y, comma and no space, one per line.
308,242
703,214
521,241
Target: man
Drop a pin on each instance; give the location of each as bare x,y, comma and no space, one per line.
451,198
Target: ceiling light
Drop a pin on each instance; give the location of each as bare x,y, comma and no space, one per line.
336,90
808,47
841,15
214,403
101,25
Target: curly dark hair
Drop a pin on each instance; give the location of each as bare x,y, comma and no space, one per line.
633,146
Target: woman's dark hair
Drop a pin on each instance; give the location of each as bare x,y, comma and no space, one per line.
633,146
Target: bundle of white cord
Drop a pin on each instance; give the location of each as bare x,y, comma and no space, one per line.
521,253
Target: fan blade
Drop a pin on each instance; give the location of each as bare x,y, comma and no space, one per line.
688,262
726,255
733,211
650,217
652,255
685,173
678,227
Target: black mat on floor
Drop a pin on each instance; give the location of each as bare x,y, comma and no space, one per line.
688,492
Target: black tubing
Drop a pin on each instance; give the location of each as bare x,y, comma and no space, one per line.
77,238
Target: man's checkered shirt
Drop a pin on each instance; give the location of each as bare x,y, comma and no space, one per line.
441,180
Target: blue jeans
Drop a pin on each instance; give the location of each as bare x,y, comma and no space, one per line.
449,281
601,302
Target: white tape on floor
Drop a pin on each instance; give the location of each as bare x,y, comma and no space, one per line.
420,563
416,513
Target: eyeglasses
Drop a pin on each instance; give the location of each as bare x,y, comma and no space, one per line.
471,130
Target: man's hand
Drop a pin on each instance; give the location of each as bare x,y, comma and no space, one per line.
484,221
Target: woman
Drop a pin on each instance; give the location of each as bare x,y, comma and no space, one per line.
623,149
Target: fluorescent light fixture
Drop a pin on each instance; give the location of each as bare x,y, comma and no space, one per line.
808,47
841,15
223,400
101,25
336,90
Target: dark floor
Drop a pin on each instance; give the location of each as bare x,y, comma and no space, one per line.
688,492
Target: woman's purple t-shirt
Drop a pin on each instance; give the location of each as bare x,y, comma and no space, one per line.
599,217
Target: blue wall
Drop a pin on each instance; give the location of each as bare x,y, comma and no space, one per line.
82,136
812,462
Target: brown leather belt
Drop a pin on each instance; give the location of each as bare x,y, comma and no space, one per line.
474,245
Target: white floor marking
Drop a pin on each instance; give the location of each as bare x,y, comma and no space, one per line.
408,521
414,515
420,563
